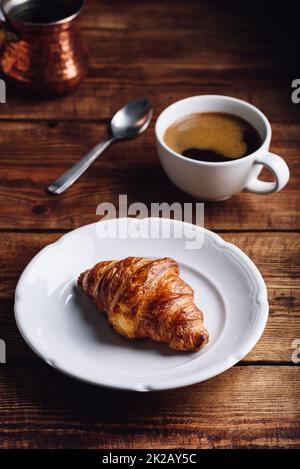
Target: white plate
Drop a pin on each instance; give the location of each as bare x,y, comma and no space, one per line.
64,328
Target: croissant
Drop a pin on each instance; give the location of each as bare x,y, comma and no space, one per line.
147,298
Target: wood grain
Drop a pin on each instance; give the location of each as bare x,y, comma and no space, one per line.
126,168
255,406
275,345
109,86
169,54
115,14
277,256
165,51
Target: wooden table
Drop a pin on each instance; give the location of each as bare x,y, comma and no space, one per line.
164,50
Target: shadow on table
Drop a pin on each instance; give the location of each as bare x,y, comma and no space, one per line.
62,412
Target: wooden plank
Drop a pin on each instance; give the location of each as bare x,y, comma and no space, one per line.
188,63
126,168
276,255
275,345
109,86
115,14
184,46
60,143
244,407
165,53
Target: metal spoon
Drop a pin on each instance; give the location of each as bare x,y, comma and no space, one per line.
130,121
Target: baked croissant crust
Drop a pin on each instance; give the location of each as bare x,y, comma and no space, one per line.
147,298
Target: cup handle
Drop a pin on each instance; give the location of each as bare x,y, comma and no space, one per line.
280,170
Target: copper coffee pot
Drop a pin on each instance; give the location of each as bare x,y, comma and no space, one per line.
41,48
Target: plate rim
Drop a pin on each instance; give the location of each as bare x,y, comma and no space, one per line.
193,378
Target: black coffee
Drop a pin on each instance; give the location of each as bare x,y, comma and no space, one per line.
213,137
44,11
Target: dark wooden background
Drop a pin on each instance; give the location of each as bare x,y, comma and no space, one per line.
165,50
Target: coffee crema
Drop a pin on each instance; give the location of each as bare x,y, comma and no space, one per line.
212,137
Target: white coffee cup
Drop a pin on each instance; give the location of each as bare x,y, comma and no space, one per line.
220,181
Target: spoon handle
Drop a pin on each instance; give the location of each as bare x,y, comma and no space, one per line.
74,173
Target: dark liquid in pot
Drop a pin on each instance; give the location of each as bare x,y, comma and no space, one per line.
43,11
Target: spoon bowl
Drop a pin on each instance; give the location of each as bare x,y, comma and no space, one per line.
130,121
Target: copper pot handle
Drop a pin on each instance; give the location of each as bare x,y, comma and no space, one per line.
6,33
2,30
